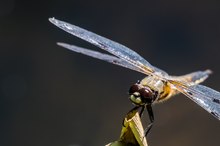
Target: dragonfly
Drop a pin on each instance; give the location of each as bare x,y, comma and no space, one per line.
157,86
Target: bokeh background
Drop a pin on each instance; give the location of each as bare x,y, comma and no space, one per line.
50,96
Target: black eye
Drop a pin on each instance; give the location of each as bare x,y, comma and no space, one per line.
146,93
134,88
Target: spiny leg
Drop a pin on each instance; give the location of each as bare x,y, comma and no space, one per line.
151,117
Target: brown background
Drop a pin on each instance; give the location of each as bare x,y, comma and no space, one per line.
50,96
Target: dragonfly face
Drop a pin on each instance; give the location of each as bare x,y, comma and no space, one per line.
141,95
158,85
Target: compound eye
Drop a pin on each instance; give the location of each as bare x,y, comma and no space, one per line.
146,93
134,88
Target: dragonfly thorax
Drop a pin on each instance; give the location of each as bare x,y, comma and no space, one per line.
142,95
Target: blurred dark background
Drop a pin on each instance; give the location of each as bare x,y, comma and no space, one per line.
50,96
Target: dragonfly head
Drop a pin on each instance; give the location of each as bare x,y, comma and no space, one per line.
141,95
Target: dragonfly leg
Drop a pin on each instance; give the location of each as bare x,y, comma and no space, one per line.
151,117
142,110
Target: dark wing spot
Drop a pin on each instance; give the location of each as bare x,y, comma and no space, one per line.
215,114
216,101
115,61
189,93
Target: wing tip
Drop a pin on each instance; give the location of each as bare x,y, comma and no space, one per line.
209,71
55,21
70,47
64,45
60,44
51,19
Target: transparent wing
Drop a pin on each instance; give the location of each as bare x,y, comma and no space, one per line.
193,78
206,97
101,56
190,79
112,47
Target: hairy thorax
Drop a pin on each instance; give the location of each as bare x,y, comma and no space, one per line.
164,89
